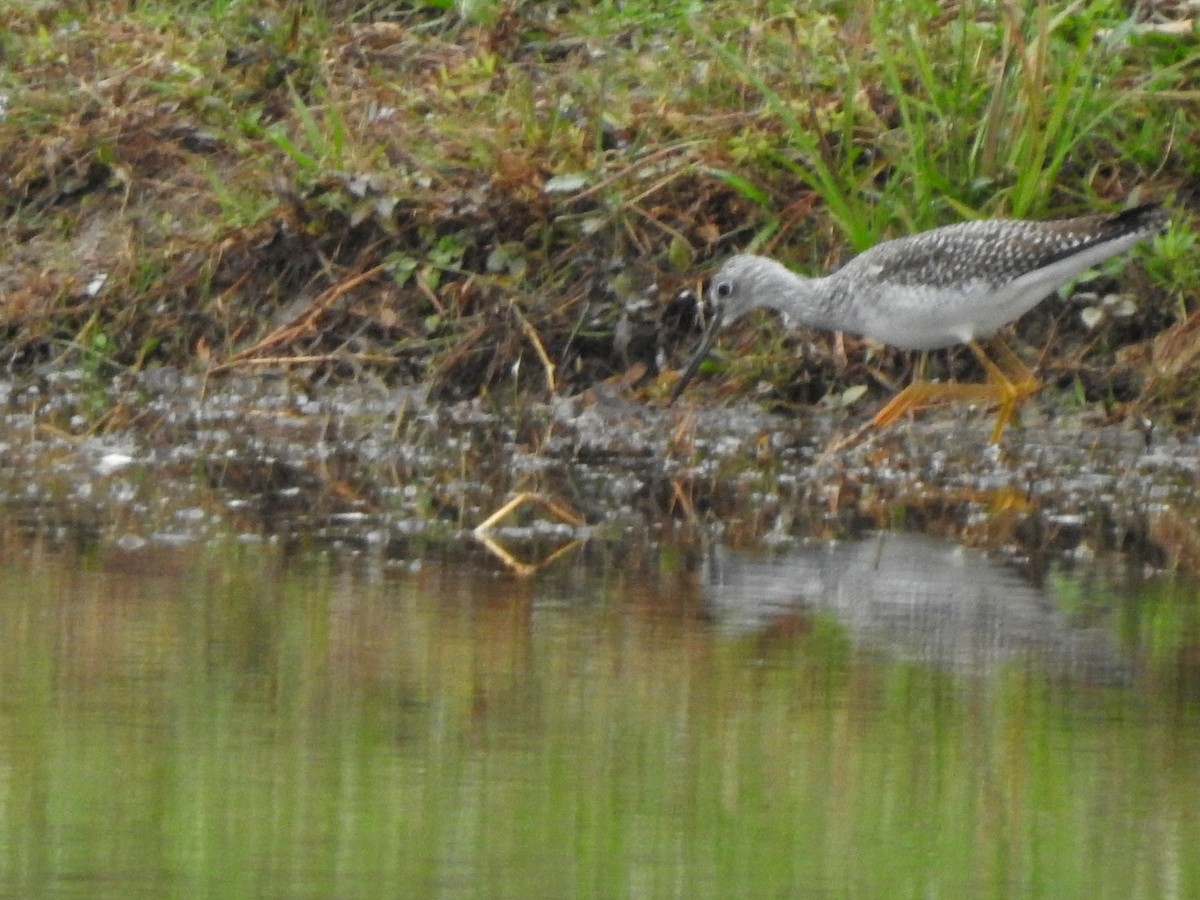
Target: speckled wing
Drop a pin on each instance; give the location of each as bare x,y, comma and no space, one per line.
998,250
964,281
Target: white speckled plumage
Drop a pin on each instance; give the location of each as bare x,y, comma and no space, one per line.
951,285
946,286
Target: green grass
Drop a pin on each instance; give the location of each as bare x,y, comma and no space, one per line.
426,141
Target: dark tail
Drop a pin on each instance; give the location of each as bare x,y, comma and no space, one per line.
1149,218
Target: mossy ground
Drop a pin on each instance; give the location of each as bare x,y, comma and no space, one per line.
496,197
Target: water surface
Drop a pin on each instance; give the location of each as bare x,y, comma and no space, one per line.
645,720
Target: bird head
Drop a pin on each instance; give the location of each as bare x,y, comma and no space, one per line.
730,295
731,292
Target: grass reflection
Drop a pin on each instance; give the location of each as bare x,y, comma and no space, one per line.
238,724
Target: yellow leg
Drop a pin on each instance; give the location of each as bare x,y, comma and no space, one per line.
1009,382
1016,371
1013,381
920,394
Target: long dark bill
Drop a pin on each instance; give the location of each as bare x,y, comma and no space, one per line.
693,365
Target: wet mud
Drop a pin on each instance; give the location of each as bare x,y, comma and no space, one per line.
169,459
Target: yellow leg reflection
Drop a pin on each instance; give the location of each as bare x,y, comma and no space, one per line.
483,532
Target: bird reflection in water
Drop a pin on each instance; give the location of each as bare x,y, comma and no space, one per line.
915,598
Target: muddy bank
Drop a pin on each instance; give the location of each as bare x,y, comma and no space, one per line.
525,198
356,274
171,460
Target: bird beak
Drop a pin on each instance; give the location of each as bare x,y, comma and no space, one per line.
693,365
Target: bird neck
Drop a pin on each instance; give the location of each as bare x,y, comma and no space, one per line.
803,300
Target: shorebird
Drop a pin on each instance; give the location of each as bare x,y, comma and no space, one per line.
957,284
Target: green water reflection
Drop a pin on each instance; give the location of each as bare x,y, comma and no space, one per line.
245,722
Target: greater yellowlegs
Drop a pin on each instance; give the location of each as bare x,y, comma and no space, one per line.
951,285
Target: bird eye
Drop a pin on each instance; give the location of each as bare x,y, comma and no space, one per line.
724,290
